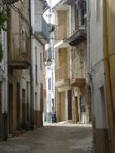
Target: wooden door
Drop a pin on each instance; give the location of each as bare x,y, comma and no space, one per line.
23,109
62,106
10,108
18,105
41,103
76,109
69,105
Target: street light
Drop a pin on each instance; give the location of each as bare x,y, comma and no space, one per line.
48,62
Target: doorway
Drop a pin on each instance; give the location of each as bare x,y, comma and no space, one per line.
0,111
10,108
23,109
18,105
82,109
69,105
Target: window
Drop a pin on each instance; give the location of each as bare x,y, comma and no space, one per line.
76,17
97,10
82,6
23,41
36,99
40,61
49,84
36,66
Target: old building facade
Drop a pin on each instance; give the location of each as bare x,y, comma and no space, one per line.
39,39
49,107
19,67
71,60
3,86
102,74
81,104
62,63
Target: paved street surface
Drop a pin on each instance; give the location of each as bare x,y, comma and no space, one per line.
59,138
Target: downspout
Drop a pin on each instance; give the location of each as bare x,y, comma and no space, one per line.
5,88
31,74
89,67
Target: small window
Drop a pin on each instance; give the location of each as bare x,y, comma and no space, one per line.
49,84
23,41
41,61
36,99
36,66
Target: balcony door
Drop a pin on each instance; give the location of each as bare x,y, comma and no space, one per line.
62,106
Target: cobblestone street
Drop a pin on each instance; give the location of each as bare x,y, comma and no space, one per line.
57,138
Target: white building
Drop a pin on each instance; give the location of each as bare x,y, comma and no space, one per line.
50,107
38,40
50,91
3,87
97,74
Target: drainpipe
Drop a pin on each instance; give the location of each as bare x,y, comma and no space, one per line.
90,78
5,88
31,74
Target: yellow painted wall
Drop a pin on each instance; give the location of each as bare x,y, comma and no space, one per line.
62,56
109,53
62,28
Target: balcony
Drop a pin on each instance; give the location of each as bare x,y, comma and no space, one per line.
42,31
78,82
77,37
19,53
78,73
61,32
62,75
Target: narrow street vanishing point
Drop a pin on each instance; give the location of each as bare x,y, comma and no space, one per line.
57,138
57,76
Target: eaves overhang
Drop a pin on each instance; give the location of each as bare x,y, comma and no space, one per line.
61,3
78,82
77,37
39,36
9,2
18,64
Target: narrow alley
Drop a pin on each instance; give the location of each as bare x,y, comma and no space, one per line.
57,138
57,76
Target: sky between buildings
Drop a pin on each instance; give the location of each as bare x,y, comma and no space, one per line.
53,2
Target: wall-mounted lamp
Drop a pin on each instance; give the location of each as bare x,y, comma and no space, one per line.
48,62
